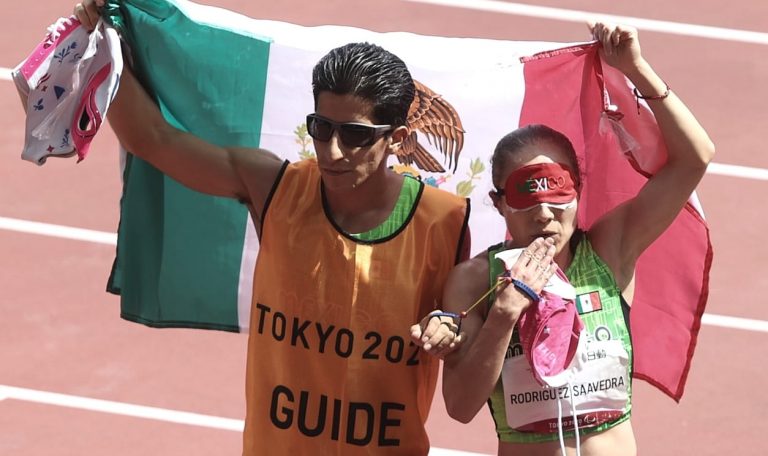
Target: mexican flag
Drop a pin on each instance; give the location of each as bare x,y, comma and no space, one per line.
588,302
185,259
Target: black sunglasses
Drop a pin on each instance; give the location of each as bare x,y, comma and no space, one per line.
351,134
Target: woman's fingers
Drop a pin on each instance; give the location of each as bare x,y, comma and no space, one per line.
536,265
608,35
535,253
611,36
616,36
540,252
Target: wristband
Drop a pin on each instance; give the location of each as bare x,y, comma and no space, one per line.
526,290
444,314
454,316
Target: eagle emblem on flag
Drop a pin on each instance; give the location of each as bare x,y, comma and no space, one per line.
432,115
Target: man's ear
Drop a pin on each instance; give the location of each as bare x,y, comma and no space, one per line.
397,137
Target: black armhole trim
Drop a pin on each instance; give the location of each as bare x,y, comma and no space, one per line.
347,235
462,237
575,240
625,309
272,191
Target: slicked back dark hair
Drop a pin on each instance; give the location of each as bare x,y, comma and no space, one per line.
371,73
530,135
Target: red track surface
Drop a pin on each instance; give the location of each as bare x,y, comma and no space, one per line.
60,332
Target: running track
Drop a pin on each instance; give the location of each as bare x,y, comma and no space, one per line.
60,332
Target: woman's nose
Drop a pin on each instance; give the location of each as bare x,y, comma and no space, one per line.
543,213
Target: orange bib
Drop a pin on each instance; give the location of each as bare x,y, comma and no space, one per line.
331,369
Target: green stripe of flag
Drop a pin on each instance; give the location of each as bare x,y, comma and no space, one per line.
176,246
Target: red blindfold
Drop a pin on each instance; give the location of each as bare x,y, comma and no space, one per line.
540,183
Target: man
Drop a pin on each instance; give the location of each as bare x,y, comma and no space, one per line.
351,255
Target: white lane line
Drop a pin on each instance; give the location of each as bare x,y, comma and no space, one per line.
746,172
121,408
559,14
151,413
81,234
724,321
67,232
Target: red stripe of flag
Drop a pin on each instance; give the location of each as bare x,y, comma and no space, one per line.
565,91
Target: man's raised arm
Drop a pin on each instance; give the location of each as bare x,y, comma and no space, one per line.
244,173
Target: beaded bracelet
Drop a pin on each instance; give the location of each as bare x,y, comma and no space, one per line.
639,96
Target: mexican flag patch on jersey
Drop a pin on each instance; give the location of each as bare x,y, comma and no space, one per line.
588,302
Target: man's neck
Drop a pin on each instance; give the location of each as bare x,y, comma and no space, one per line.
366,206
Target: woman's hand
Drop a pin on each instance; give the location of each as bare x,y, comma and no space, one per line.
88,13
533,268
622,234
620,45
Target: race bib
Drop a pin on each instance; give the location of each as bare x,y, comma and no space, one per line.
598,387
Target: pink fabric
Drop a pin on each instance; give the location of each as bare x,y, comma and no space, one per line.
44,49
673,274
88,119
549,333
67,84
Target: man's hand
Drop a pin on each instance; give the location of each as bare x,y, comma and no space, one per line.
88,13
438,334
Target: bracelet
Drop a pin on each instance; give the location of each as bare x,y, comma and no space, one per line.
454,316
439,314
526,290
639,96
